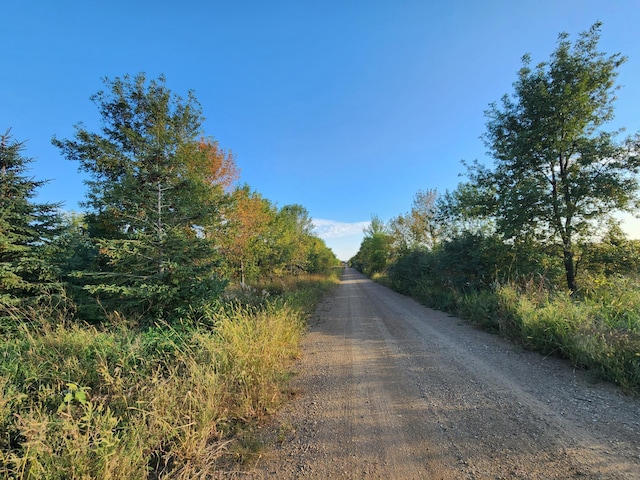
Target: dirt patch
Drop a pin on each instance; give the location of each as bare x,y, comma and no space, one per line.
387,388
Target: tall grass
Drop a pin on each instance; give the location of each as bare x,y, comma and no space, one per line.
82,402
597,328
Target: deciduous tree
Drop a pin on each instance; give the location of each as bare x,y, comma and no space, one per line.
320,258
556,170
290,240
244,236
220,165
419,228
375,249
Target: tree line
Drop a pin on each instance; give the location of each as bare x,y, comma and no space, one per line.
164,229
546,206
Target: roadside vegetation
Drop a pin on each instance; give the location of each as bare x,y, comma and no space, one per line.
145,337
530,247
172,400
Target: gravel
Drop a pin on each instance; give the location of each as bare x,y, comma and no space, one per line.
386,388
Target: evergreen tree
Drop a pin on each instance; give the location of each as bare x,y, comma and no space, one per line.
73,252
26,229
150,200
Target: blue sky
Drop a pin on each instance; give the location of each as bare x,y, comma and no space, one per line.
345,107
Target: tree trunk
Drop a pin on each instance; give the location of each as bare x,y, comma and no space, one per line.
160,230
570,270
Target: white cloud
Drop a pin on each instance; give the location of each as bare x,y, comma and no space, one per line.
343,238
332,229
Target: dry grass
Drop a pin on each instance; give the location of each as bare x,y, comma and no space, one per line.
81,402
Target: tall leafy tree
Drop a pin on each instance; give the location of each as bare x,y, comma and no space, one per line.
291,241
320,257
26,229
401,233
244,236
418,228
467,209
151,198
556,170
220,165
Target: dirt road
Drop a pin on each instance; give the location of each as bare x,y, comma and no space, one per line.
389,389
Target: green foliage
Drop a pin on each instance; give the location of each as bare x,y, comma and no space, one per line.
508,288
74,252
163,377
468,208
615,254
481,308
320,258
261,241
26,230
592,333
410,270
470,262
151,200
600,330
467,263
243,238
515,235
375,249
556,171
290,240
419,228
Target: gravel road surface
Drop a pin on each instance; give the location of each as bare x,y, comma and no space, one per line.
389,389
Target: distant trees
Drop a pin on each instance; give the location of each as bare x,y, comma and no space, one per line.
419,227
375,249
243,236
257,239
292,233
320,258
165,229
26,231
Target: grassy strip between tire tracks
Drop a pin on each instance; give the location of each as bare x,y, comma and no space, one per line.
173,401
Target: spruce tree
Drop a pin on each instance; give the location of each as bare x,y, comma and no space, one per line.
26,229
150,200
